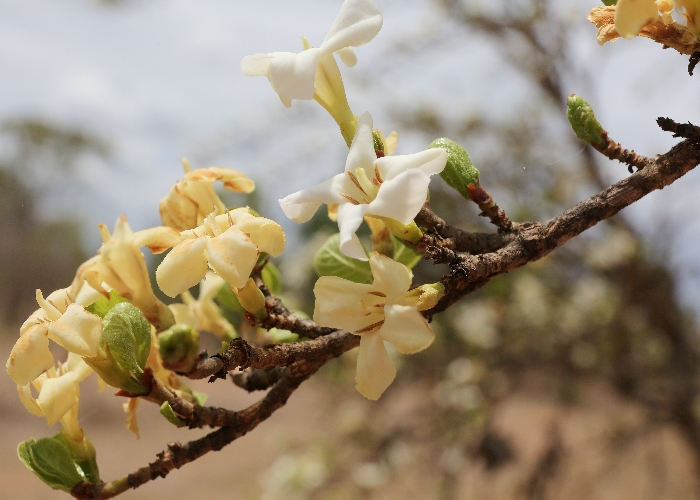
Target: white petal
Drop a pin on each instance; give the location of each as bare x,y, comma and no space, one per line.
30,356
232,255
77,331
402,197
347,55
356,24
256,64
302,205
183,267
25,395
406,328
293,75
430,161
632,15
390,277
361,154
349,219
57,396
375,370
338,304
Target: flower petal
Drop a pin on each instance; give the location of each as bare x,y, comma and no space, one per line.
302,205
158,239
25,395
183,267
30,356
632,15
356,24
406,328
57,396
375,370
267,235
361,154
347,55
256,64
430,161
390,277
77,331
402,197
338,304
292,75
232,255
349,219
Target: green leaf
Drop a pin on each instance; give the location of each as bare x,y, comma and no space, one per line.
104,305
50,459
127,336
459,170
405,254
272,278
84,456
167,411
228,300
200,397
329,261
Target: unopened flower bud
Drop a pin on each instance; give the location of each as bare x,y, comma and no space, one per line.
583,121
425,296
459,171
252,299
179,347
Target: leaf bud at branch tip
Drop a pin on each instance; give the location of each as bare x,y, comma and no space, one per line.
584,123
179,347
459,170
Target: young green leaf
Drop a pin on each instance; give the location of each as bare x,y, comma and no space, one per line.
330,261
405,254
127,335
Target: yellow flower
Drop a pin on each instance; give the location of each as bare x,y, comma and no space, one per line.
382,311
229,243
632,15
193,198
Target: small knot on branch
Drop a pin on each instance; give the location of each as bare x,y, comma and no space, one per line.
685,130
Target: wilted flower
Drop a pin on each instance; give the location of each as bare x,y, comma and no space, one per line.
393,187
228,243
632,15
193,198
382,311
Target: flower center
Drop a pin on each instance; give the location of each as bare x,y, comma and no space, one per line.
369,188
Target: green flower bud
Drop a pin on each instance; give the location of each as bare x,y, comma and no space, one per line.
59,463
252,299
167,411
425,296
459,171
179,347
583,121
378,144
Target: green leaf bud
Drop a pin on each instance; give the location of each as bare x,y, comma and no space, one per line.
272,278
459,170
127,333
179,347
104,305
583,121
167,411
57,463
330,261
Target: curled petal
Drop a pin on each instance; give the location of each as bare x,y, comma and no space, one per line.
183,267
30,356
632,15
430,161
233,180
302,205
338,304
267,235
157,239
256,65
402,197
406,329
357,23
292,75
375,370
57,396
361,154
25,395
347,55
77,331
349,219
232,255
390,277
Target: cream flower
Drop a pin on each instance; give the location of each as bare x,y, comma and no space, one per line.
193,198
394,187
632,15
202,313
59,319
58,390
120,266
378,312
292,75
228,243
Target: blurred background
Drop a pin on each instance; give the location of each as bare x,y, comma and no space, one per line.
575,377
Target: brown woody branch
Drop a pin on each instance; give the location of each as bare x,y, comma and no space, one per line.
258,379
615,151
489,208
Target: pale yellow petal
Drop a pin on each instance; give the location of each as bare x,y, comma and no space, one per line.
267,235
406,329
77,331
183,267
390,277
25,395
30,356
632,15
232,255
339,304
234,180
130,408
57,396
157,239
184,315
375,370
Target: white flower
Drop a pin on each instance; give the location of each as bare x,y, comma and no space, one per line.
229,243
59,319
394,187
378,312
193,198
292,75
